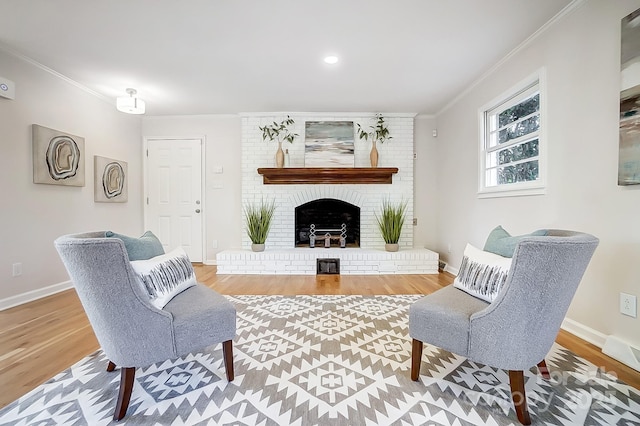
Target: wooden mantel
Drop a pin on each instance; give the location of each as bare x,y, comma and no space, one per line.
326,175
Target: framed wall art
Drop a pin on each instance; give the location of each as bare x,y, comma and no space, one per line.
329,144
58,157
110,180
629,151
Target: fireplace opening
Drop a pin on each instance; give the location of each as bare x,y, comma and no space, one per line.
327,222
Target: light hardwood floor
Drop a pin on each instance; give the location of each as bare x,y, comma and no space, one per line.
41,338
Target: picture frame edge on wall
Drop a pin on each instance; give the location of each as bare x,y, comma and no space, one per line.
110,180
58,157
629,139
329,143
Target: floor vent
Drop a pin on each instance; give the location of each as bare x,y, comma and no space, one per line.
329,266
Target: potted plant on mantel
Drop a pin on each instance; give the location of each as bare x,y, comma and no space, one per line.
258,221
390,223
378,133
279,132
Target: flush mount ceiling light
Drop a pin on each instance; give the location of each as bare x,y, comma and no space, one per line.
130,104
331,60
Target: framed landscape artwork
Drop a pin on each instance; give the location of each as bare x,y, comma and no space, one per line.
629,154
329,144
110,180
58,157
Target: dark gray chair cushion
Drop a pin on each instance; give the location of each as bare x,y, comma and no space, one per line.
201,316
442,318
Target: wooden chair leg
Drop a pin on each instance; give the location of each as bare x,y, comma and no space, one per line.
516,380
416,359
127,376
227,353
544,371
111,366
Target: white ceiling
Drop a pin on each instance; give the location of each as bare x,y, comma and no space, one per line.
215,56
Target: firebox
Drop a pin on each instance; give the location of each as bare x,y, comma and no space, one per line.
327,222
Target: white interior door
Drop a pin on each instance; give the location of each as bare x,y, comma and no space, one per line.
174,204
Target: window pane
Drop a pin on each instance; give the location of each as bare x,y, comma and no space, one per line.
516,112
523,172
522,128
516,153
511,143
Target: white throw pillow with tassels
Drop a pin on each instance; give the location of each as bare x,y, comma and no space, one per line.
163,277
482,274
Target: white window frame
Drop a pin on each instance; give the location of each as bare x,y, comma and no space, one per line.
511,97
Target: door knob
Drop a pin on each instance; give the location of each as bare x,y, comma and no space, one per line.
197,201
197,210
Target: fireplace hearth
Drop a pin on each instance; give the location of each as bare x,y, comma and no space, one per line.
326,223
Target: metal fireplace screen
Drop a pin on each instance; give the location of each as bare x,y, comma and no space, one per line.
327,222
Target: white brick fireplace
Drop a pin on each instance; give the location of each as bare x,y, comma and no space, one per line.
280,251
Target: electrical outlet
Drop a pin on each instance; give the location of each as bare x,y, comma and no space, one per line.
628,305
415,221
214,244
17,269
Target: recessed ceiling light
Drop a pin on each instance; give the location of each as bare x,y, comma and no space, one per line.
331,60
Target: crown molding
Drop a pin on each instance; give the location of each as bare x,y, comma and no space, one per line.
55,73
570,8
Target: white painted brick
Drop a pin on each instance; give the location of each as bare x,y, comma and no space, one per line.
395,153
303,261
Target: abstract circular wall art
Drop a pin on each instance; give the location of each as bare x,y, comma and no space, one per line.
63,157
58,157
110,181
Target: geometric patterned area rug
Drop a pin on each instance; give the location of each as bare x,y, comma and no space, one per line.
327,360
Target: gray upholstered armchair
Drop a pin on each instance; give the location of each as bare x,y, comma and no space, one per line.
131,331
516,330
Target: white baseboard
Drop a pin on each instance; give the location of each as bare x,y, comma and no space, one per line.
450,269
30,296
585,333
210,262
622,351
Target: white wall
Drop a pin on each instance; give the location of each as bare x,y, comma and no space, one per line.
581,54
33,215
223,210
425,183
